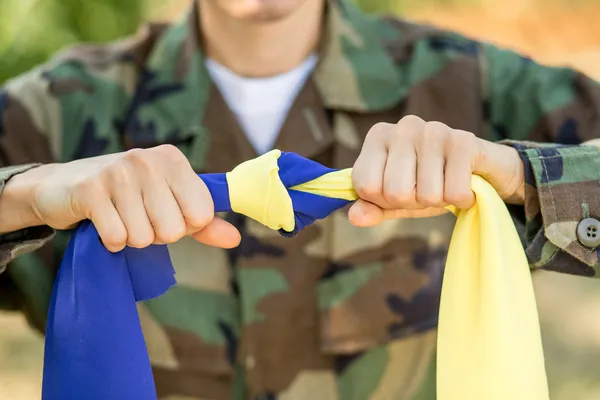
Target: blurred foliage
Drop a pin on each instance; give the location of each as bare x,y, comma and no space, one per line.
32,30
386,6
378,6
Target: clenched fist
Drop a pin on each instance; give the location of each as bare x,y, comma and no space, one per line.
135,198
415,168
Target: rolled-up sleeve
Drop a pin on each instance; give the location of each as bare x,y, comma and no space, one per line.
551,116
562,207
26,240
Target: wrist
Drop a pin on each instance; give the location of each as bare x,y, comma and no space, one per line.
503,167
17,199
516,192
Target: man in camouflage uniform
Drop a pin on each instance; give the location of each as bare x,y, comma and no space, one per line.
340,311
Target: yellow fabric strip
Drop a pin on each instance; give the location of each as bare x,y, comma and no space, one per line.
256,191
336,184
489,342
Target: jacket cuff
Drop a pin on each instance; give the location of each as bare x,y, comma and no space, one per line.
562,206
8,172
13,244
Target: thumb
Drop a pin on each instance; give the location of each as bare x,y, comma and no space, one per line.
365,214
218,233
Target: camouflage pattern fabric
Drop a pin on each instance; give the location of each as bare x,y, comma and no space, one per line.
337,313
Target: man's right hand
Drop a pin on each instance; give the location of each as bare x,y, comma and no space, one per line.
136,198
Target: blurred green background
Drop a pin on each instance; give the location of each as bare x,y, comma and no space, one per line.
552,31
32,30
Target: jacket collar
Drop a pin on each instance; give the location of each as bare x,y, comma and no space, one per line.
355,72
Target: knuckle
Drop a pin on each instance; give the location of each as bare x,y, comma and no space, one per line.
367,191
115,239
411,121
379,130
118,173
430,199
201,218
462,135
463,144
90,188
141,239
462,139
170,152
458,196
436,129
409,128
436,126
398,198
136,156
139,160
171,234
202,208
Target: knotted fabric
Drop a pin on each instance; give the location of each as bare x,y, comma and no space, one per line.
488,337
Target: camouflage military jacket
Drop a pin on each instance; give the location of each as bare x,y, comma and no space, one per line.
337,312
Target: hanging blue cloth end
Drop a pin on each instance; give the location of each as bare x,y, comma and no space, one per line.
92,360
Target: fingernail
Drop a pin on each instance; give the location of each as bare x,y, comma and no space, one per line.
357,216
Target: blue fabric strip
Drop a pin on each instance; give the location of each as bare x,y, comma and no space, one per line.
95,348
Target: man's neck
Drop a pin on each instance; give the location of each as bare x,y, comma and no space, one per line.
261,49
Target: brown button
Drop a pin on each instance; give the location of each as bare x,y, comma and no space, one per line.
588,232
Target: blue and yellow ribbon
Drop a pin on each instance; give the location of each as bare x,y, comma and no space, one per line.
488,337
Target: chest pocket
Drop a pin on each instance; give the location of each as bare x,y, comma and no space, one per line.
383,283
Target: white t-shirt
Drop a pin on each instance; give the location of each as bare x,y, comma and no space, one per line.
261,104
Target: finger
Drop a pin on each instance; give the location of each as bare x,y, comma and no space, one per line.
430,167
399,181
367,173
109,225
457,181
193,198
163,211
128,202
365,214
408,214
219,233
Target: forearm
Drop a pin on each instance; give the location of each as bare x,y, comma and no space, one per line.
17,185
21,231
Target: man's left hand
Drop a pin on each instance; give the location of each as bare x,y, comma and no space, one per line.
414,169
